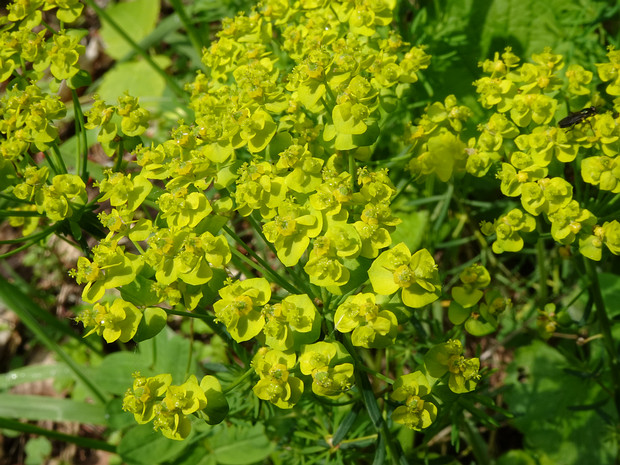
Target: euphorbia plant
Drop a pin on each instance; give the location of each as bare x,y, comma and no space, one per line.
266,215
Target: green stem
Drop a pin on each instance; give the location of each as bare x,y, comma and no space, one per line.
210,322
239,380
194,38
262,265
31,238
370,402
58,158
542,267
154,348
332,98
119,156
442,208
169,80
259,230
50,161
376,374
352,167
48,27
17,213
86,443
190,355
362,439
42,234
81,156
13,199
577,181
200,316
402,189
605,328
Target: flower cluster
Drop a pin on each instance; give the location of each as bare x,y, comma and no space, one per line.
371,326
448,358
33,62
133,122
306,129
416,413
168,406
58,200
478,319
275,385
329,365
279,139
524,137
416,275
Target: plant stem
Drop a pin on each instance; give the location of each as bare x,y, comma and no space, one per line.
381,376
81,156
86,443
605,328
190,356
61,162
352,169
209,321
194,38
17,213
51,163
262,265
119,156
370,402
40,235
239,380
542,268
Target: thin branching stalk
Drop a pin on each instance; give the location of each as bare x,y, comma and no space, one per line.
605,328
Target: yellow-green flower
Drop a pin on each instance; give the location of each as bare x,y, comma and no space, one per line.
417,413
415,274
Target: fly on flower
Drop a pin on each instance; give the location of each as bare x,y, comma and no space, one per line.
577,117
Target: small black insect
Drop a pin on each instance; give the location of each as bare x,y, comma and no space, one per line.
578,117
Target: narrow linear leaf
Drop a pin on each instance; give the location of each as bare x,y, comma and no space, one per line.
30,374
37,408
379,451
345,426
17,301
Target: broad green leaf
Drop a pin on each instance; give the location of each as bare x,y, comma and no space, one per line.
542,395
217,406
138,79
81,79
114,373
196,454
412,229
137,19
172,354
143,445
610,288
457,314
231,445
